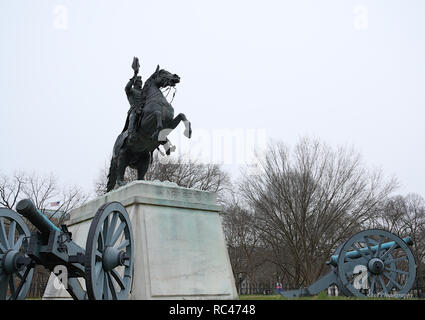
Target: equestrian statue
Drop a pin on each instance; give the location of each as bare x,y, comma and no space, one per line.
149,120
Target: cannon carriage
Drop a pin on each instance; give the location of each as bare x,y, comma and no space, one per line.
372,263
101,270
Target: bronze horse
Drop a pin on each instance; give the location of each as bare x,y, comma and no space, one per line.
156,122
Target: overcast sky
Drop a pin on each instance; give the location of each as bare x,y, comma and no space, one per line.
346,72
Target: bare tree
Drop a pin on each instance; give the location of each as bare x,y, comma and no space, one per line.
42,190
308,200
11,188
246,252
405,215
184,171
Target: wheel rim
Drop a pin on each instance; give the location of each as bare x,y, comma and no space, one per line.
386,269
15,281
109,254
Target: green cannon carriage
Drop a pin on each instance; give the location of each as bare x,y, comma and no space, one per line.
106,263
374,263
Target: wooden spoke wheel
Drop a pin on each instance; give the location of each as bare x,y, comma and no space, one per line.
109,254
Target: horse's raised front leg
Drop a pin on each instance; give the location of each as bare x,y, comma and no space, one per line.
169,147
181,117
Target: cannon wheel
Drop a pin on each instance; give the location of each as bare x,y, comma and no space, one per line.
399,267
14,281
109,254
338,283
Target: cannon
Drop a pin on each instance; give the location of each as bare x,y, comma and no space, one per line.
105,265
372,263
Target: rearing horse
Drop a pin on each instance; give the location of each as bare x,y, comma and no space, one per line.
156,122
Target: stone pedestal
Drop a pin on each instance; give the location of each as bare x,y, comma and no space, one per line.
180,250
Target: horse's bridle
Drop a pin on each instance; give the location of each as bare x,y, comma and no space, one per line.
166,91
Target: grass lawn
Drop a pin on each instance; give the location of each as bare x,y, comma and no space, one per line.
261,297
321,296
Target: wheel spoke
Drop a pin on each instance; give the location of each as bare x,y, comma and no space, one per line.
3,236
100,284
389,251
384,287
372,285
12,229
118,279
97,270
111,286
105,230
12,285
106,293
4,283
366,239
18,243
123,244
392,280
111,227
100,242
360,252
381,239
117,233
21,284
397,270
99,255
388,261
20,274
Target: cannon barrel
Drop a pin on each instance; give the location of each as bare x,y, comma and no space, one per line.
355,254
27,208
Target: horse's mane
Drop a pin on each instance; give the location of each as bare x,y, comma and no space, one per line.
149,81
146,86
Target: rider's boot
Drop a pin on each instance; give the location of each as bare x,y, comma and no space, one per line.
132,128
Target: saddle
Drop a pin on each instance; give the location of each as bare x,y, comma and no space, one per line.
139,115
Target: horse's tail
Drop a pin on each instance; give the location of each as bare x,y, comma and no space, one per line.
112,175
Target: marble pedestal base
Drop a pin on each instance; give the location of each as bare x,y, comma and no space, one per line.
180,250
